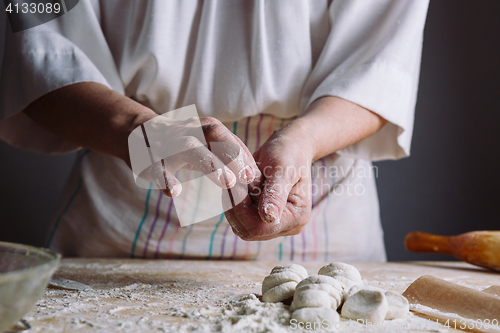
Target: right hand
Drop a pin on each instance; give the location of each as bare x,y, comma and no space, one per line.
179,144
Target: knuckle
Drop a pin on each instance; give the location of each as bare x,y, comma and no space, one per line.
215,132
191,142
210,121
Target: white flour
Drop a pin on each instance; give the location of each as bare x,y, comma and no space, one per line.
198,296
154,308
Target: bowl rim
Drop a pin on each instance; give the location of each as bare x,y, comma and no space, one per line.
28,272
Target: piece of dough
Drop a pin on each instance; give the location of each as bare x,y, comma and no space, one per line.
354,289
297,269
398,305
280,284
332,292
313,298
320,279
316,315
317,291
347,275
280,292
369,306
276,279
341,269
325,283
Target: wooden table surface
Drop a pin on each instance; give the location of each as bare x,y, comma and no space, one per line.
131,295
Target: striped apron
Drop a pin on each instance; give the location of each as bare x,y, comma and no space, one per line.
103,213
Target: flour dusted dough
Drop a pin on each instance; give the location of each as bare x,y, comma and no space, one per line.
280,293
370,306
347,275
325,284
398,306
280,284
316,300
312,298
301,271
316,315
317,291
276,279
356,288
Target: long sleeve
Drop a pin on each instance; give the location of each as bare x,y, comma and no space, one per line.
372,58
67,50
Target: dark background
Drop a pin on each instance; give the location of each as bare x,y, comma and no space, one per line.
449,185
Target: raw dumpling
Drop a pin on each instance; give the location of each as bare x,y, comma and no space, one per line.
280,284
398,306
346,274
368,306
317,298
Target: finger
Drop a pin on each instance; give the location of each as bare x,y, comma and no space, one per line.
198,157
229,199
164,179
255,188
278,184
233,157
297,211
249,160
244,217
243,165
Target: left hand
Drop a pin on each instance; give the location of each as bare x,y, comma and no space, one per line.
280,201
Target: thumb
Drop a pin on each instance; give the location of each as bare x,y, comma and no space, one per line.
274,197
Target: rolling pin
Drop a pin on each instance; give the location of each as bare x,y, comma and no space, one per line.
447,302
480,248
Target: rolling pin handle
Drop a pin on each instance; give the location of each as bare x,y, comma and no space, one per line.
422,242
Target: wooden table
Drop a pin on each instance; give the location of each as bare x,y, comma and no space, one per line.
130,295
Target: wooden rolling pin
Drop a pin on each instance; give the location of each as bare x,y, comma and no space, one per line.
480,248
453,304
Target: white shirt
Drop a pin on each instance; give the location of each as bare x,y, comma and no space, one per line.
233,59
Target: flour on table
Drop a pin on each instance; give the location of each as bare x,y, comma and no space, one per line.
136,297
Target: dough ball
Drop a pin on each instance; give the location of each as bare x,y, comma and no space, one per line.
347,275
280,292
276,279
323,282
320,279
340,269
316,315
280,284
313,298
297,269
398,305
354,289
370,306
335,294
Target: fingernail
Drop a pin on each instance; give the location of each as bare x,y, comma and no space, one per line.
272,214
250,174
176,190
227,177
246,174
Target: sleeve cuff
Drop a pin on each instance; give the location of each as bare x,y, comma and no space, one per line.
385,90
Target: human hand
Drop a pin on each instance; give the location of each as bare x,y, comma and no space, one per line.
178,144
279,203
